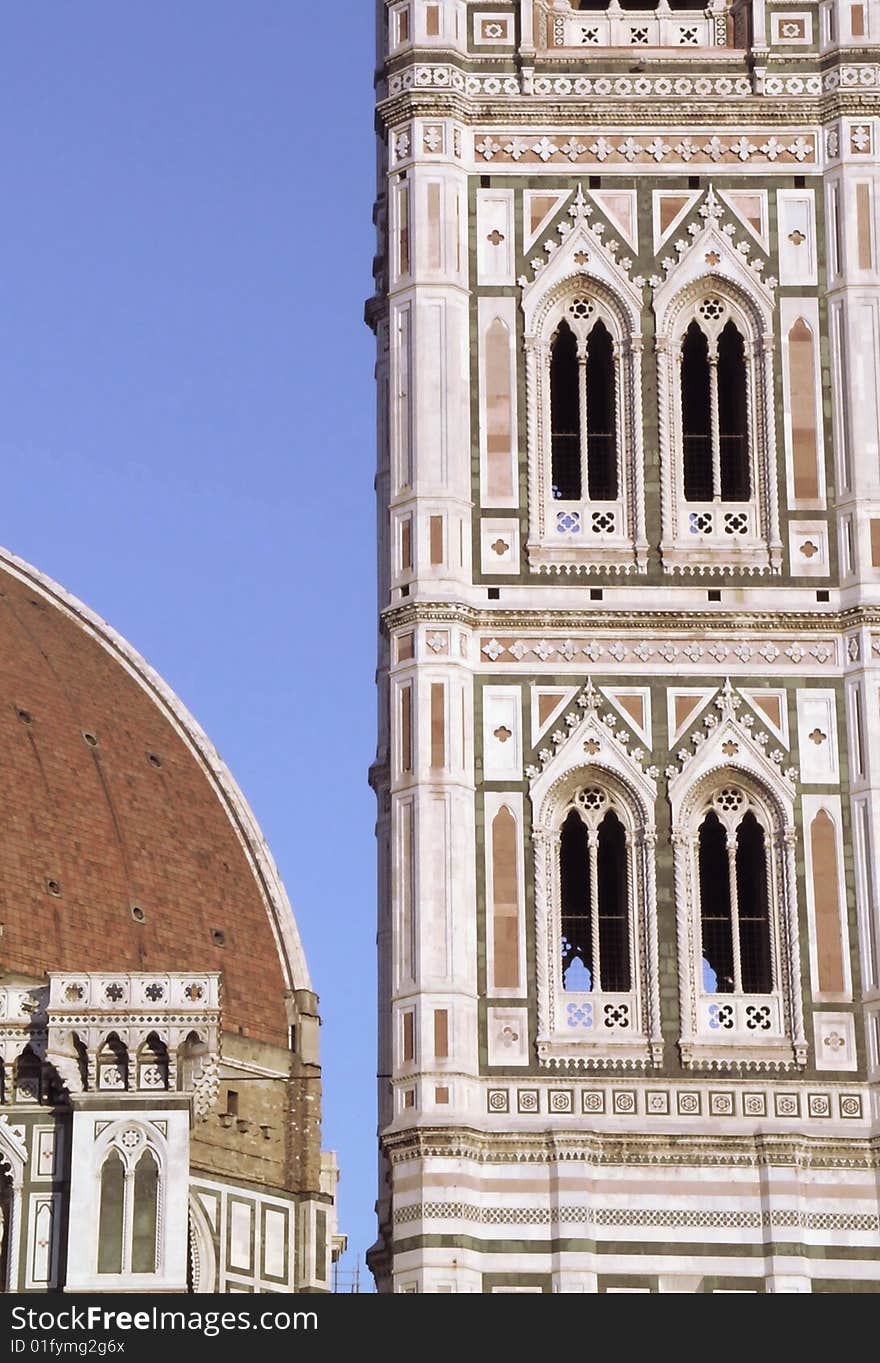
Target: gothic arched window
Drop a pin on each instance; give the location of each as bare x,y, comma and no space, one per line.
584,432
112,1214
714,412
734,904
583,416
733,425
565,415
595,918
720,503
594,877
734,862
130,1188
145,1214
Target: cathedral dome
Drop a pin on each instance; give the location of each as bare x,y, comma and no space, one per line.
125,845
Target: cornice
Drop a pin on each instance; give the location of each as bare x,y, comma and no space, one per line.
751,1149
745,113
404,613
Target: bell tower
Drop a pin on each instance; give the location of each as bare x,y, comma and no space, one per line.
627,311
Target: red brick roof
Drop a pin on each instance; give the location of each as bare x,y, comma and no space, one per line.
145,817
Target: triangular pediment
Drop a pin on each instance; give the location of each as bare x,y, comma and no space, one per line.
729,737
712,246
576,248
590,734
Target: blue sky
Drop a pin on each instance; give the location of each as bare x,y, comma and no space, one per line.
186,416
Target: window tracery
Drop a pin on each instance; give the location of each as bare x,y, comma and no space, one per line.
738,936
130,1194
596,928
717,431
582,382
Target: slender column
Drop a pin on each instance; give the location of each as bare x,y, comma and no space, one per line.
734,913
586,490
593,846
13,1232
630,422
647,848
716,428
793,942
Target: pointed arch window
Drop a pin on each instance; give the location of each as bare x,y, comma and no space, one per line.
583,371
717,434
583,411
734,905
584,432
130,1188
595,907
714,413
595,922
565,415
745,924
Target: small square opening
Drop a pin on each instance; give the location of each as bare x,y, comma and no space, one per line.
823,595
485,182
494,593
693,182
595,182
713,594
800,182
597,594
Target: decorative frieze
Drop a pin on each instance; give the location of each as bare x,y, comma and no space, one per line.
683,1103
660,654
754,149
592,1219
442,76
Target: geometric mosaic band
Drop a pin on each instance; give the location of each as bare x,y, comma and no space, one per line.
625,1216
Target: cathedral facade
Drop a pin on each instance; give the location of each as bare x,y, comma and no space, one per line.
160,1085
627,311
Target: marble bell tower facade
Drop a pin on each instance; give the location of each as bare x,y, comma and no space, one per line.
627,313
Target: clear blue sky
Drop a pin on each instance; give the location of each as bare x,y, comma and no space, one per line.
186,415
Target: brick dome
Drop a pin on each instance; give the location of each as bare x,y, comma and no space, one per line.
124,842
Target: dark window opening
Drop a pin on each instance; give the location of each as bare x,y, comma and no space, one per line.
732,416
6,1222
153,1064
577,936
29,1077
232,1102
613,906
565,438
110,1215
601,421
754,907
145,1214
715,915
696,415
